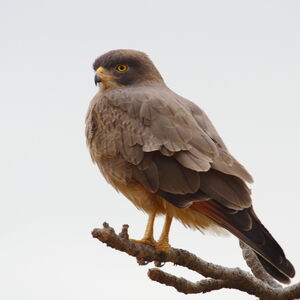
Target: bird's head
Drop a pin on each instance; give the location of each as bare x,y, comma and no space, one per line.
122,68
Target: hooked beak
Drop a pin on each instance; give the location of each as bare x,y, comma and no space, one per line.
99,72
97,79
106,79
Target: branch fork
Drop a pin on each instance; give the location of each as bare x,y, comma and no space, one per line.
217,277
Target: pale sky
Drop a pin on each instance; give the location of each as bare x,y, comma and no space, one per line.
238,60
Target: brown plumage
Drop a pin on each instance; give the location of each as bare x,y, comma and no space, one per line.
163,153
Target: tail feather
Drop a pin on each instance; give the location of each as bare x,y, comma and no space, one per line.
245,225
273,271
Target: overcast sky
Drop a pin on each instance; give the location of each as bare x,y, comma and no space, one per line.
238,60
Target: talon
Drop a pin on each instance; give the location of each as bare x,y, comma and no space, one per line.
142,261
163,246
159,264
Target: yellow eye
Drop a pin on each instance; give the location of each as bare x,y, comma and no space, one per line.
121,68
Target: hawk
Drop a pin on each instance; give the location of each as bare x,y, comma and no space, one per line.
163,153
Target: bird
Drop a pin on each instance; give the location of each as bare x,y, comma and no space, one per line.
163,153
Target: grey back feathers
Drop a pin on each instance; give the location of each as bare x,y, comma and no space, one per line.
157,134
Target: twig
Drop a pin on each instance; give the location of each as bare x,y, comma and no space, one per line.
185,286
256,267
219,276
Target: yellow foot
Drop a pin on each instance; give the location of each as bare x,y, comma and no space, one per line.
147,241
163,246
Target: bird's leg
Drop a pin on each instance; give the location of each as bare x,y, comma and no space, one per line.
148,235
163,242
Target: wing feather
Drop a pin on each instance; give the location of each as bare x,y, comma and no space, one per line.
170,144
225,162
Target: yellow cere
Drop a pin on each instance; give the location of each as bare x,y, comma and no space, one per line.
100,70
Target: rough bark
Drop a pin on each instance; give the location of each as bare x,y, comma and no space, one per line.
217,277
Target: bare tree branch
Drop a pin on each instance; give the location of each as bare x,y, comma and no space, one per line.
256,267
185,286
218,276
